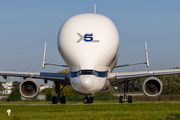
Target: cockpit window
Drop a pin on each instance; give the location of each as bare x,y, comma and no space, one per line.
86,72
100,73
75,74
89,72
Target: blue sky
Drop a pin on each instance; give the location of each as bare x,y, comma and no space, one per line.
26,25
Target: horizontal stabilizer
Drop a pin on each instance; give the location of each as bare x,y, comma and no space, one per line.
44,60
147,60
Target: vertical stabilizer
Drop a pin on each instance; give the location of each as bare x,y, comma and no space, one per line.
94,8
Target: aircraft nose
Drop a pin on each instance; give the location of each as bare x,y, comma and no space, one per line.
87,82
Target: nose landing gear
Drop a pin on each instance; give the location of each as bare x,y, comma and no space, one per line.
87,100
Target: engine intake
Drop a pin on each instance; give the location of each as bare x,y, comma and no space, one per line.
152,87
29,88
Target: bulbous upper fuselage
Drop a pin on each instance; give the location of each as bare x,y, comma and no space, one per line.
88,42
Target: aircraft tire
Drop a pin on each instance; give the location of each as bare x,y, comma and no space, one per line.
86,100
54,100
120,99
90,100
130,99
63,100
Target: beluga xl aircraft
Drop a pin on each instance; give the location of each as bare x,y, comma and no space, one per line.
89,43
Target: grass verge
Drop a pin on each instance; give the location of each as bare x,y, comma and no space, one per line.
135,111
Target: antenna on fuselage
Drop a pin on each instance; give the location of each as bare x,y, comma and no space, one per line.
94,8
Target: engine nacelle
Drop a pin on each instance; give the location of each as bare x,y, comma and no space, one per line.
152,87
29,88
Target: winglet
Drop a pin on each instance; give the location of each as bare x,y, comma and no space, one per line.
147,60
94,8
44,57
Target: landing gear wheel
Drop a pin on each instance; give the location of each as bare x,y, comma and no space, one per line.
86,100
63,100
121,99
130,99
125,89
90,100
54,100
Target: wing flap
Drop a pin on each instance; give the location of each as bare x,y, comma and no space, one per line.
128,75
61,77
166,72
116,78
15,74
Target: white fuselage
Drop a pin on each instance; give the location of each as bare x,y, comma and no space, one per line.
88,43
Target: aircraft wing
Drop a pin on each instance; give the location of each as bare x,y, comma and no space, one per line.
60,77
116,78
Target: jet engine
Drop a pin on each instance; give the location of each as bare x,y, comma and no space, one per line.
152,87
29,88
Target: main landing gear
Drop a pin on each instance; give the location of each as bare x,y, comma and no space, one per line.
125,89
57,99
88,99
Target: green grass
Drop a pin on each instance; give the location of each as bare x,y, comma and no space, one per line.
71,111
